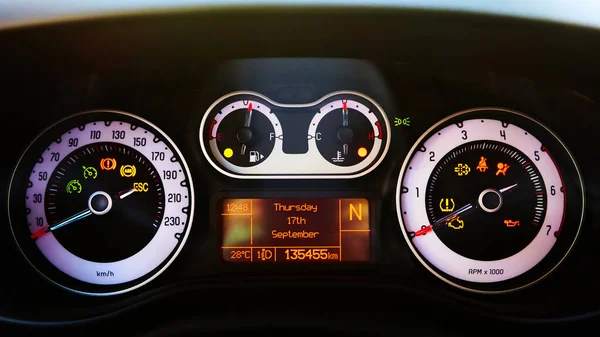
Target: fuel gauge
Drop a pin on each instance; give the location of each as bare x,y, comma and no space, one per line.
342,135
244,132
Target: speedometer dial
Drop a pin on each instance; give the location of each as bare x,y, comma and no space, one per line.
101,202
482,200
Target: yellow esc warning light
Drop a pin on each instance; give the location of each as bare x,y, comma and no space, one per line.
127,171
140,187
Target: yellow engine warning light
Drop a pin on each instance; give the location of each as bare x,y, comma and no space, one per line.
228,153
362,152
455,223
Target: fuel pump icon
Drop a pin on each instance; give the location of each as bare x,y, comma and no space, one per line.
255,156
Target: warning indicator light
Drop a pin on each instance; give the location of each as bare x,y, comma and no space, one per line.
362,152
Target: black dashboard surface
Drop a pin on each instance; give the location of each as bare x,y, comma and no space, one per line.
169,68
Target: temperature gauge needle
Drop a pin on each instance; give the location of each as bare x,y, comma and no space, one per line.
456,213
345,124
345,113
247,123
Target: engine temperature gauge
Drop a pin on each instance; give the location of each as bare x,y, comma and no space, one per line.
346,132
247,135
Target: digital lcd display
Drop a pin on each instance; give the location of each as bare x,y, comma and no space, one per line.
295,230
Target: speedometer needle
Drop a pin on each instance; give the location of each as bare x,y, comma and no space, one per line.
99,203
71,219
458,212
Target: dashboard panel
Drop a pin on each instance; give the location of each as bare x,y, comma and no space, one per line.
395,181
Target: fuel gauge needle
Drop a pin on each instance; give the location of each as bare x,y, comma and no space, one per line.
247,123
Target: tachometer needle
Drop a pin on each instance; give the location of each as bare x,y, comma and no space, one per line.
443,220
456,213
508,188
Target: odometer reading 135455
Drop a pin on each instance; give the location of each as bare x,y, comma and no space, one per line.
295,230
107,204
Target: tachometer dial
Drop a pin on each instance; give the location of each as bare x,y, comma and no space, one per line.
482,200
107,202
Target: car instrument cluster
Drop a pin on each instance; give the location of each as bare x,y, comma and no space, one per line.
486,198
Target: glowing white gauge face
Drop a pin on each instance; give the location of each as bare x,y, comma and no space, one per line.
480,201
109,202
342,135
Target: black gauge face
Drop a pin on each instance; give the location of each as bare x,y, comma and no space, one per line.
101,202
506,195
243,133
131,222
482,200
345,136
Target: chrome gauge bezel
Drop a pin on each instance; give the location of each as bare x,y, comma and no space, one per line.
18,189
574,204
313,156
